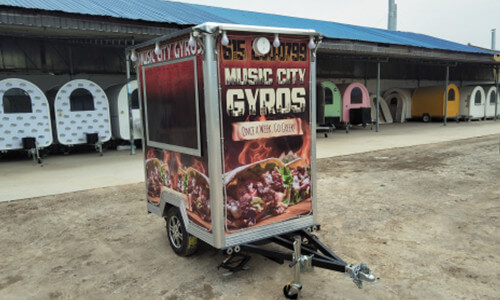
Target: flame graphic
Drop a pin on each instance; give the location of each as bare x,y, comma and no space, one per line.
150,154
166,156
198,165
255,150
305,150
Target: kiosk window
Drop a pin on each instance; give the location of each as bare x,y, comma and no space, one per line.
451,95
492,97
356,96
16,100
477,98
171,106
135,99
81,100
328,96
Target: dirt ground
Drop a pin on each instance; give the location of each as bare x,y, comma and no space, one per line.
424,218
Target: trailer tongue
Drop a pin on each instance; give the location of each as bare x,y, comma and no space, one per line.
229,143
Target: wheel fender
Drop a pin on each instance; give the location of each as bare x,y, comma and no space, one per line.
169,199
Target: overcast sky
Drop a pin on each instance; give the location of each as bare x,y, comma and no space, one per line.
462,21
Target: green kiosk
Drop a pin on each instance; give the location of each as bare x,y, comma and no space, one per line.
329,106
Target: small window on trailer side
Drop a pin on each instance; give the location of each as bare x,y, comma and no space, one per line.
328,96
16,100
356,96
135,99
477,98
451,95
81,100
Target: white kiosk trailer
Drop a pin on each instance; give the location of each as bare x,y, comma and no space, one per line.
229,143
24,117
119,111
81,114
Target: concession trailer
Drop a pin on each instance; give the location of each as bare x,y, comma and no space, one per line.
355,104
119,111
24,117
329,103
472,102
229,143
399,101
491,108
81,114
430,102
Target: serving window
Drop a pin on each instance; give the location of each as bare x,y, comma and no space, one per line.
16,100
171,103
81,100
477,98
356,96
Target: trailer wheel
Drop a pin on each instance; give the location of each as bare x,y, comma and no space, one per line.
180,240
286,289
426,118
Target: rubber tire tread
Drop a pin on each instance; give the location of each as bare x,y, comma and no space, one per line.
189,242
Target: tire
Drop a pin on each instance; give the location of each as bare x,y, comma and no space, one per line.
180,240
426,118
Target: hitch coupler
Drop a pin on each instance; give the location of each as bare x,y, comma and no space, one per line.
360,274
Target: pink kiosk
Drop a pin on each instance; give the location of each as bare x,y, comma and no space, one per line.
355,104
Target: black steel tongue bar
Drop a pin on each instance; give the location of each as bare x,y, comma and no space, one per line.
308,252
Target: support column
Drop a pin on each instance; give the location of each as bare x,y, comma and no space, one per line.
446,94
130,116
496,92
377,121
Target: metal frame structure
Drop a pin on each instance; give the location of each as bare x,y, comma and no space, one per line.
293,233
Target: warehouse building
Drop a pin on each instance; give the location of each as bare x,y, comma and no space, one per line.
50,43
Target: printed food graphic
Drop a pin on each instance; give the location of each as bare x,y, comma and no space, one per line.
267,139
166,172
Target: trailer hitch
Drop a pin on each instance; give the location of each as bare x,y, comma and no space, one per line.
308,251
360,274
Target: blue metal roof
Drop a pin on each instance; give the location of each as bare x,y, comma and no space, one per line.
192,14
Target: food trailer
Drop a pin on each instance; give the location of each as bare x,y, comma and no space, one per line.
472,102
119,111
429,102
491,108
229,143
81,114
24,117
355,104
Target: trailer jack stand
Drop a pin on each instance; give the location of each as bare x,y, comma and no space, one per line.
360,274
98,146
35,154
300,264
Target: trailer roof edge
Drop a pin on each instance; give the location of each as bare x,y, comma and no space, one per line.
212,27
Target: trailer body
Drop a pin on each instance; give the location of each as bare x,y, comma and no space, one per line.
119,111
472,102
355,102
491,108
229,130
329,104
24,114
430,102
80,111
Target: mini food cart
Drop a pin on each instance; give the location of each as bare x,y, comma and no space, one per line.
229,143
